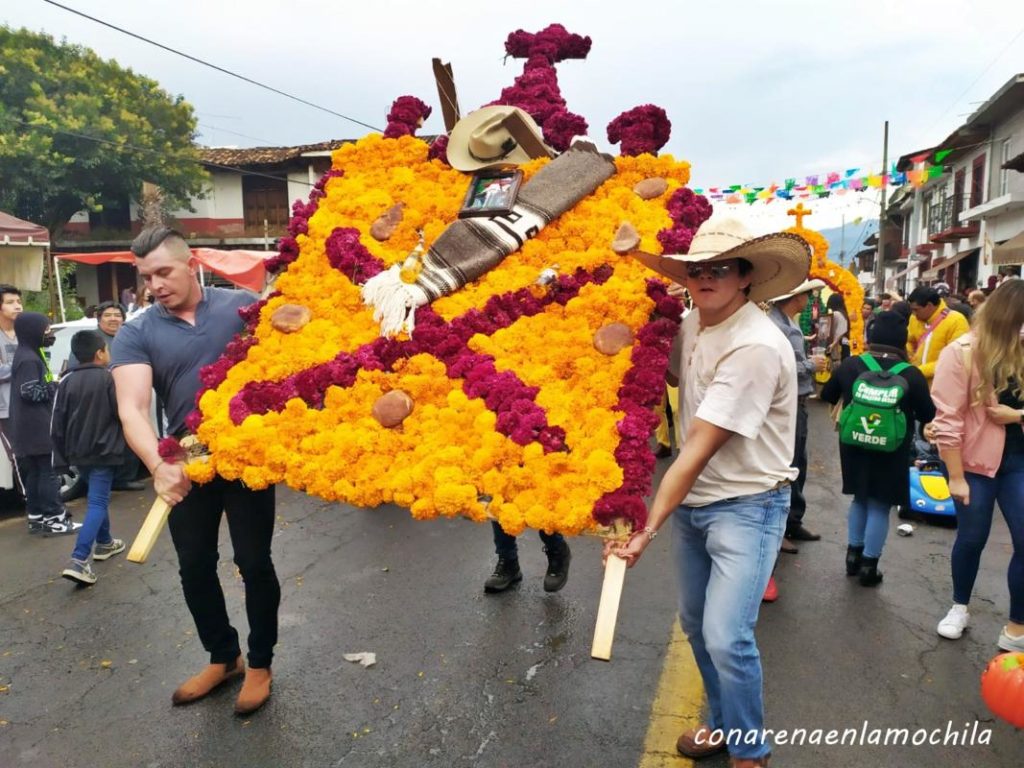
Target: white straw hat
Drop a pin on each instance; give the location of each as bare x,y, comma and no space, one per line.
780,260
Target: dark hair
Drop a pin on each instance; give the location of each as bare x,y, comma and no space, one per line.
104,306
924,294
151,238
885,296
871,302
85,345
902,308
836,304
744,267
8,288
890,329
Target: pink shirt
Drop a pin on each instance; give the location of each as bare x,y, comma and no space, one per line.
959,423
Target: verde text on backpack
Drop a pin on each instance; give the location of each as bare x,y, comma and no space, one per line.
874,420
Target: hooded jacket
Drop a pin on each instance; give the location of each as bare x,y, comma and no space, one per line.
32,388
85,428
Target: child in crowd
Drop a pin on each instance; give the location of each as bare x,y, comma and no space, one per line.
32,390
875,473
86,432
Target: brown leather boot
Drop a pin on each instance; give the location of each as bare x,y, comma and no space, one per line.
202,684
701,742
255,691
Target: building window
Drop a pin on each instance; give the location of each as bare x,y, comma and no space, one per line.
978,181
1004,173
264,200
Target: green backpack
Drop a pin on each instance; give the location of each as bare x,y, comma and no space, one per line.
874,420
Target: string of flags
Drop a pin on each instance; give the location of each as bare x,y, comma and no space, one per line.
829,184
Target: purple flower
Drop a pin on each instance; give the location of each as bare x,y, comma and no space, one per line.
641,129
405,117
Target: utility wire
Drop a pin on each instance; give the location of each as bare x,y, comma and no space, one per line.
975,81
211,66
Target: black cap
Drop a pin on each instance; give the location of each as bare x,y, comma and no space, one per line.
889,329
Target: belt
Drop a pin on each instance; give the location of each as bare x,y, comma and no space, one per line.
781,484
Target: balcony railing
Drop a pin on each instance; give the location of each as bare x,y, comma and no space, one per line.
944,220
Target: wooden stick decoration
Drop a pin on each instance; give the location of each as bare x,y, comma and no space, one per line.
156,519
611,595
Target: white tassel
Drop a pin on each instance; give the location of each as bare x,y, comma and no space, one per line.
394,302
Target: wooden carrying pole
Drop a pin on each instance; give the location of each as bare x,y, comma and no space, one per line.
608,608
150,530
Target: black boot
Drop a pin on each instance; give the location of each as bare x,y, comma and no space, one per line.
558,567
853,558
506,573
869,575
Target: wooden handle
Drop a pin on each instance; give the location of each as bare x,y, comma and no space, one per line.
150,530
446,91
608,608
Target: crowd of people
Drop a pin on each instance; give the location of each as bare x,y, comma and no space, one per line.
742,373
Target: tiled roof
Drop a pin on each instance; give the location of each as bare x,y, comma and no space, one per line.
265,155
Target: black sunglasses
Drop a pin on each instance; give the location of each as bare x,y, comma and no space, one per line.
717,271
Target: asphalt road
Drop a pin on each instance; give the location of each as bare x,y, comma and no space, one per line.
466,679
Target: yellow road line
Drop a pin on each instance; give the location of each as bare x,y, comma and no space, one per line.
677,705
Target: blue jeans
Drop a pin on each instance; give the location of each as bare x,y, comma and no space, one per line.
96,526
725,553
974,523
505,545
868,525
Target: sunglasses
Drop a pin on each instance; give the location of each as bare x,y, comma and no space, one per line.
717,271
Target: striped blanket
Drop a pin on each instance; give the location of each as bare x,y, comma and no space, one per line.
470,247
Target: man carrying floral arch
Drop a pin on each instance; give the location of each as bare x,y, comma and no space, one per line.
728,489
164,349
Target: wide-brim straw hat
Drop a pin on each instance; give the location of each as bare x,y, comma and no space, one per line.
805,287
481,140
780,260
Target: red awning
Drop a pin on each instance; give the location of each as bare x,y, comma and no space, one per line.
243,268
17,232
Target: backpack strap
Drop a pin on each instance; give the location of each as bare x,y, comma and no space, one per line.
899,368
871,363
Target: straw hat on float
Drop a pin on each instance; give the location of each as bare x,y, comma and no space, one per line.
492,137
780,260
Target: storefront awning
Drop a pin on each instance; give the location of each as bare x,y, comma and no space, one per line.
1010,252
243,268
933,273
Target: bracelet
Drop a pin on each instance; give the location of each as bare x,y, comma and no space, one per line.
156,466
650,532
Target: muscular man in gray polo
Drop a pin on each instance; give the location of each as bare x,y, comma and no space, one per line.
163,349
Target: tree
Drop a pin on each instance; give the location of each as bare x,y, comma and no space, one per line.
53,96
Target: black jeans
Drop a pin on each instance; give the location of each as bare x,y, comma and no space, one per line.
797,503
505,545
195,528
42,487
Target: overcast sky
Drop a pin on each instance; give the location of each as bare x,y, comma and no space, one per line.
756,91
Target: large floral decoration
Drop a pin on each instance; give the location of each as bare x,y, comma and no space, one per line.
512,410
839,279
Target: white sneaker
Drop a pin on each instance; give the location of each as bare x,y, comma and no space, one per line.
108,550
1011,644
953,626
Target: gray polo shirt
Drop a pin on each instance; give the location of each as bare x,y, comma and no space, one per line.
176,350
804,366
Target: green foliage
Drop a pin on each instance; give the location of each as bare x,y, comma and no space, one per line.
39,301
47,176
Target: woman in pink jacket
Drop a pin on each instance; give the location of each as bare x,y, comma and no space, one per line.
980,408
